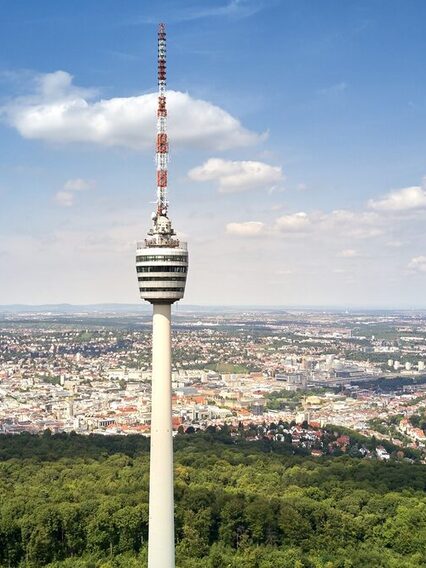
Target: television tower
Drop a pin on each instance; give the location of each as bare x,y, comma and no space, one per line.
161,265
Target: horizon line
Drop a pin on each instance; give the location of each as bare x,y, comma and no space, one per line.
220,305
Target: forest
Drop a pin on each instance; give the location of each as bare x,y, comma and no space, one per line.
69,501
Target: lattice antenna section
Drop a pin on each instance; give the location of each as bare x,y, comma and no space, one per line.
162,140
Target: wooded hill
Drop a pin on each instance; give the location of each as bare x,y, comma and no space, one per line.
68,501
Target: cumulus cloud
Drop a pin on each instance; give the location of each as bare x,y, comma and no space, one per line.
358,225
65,197
247,229
355,224
338,223
401,200
59,111
295,223
418,264
237,176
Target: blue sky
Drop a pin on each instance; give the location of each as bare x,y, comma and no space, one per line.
297,149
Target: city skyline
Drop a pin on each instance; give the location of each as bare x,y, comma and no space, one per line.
303,163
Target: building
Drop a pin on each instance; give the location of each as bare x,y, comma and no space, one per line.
292,381
161,265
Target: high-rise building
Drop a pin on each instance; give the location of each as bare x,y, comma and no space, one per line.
161,265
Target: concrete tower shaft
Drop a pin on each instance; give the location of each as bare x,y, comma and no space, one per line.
161,529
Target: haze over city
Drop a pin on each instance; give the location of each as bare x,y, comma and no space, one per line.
297,150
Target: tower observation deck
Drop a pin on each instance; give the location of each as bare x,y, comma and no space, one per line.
161,268
161,264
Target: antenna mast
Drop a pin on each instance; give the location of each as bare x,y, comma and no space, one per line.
162,155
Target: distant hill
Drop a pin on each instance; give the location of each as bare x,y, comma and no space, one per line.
137,308
73,308
125,308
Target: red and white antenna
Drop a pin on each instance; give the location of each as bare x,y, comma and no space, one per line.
162,142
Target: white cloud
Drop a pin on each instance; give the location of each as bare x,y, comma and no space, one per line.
339,223
65,196
247,229
77,184
355,224
348,253
236,176
418,264
344,222
401,200
61,112
295,223
59,86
